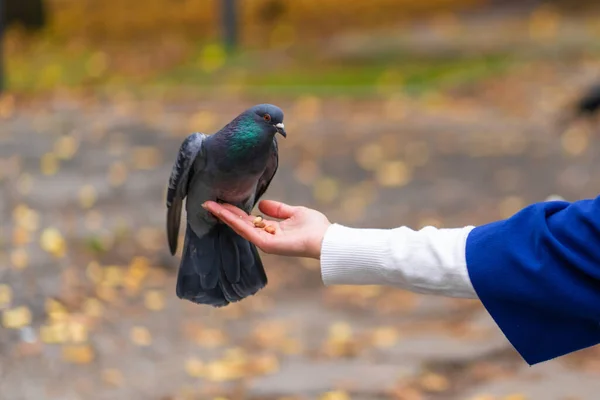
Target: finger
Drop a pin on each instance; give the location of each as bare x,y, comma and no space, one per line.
212,206
276,209
241,226
238,211
217,208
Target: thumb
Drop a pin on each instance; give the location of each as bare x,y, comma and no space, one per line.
276,209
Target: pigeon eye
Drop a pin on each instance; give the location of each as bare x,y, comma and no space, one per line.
267,117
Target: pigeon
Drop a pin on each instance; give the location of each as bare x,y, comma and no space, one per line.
586,107
236,166
589,103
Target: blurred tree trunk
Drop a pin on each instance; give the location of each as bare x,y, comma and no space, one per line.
229,13
1,46
31,14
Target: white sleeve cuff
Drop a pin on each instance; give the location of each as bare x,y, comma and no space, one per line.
430,261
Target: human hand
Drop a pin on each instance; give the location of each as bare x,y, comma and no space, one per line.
300,233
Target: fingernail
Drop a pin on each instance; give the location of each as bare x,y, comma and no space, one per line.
204,205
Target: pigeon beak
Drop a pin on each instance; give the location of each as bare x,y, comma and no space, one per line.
281,129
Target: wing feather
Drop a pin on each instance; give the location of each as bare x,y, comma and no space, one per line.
181,175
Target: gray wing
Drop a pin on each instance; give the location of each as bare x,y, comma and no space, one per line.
181,175
265,180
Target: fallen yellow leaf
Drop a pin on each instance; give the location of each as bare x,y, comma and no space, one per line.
117,174
19,258
194,367
291,346
49,164
112,377
56,311
433,382
340,341
225,370
140,336
65,147
210,338
78,354
265,364
87,196
307,171
78,332
325,190
21,236
575,141
146,157
393,174
93,307
384,337
154,300
94,272
483,397
515,396
113,276
335,395
26,218
7,106
54,333
270,333
16,318
370,156
544,23
310,107
5,295
53,242
106,292
202,121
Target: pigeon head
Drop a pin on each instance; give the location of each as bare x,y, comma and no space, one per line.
269,117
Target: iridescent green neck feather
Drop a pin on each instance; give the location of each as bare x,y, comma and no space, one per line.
246,134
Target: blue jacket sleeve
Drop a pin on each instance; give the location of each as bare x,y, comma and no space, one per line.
538,275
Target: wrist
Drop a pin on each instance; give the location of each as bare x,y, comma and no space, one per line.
315,248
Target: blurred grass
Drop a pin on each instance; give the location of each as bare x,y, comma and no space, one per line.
386,75
118,44
285,48
46,66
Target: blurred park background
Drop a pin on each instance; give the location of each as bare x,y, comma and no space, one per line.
398,112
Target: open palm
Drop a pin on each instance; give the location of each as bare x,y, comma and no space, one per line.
299,233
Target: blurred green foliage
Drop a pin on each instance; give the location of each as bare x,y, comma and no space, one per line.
287,47
263,22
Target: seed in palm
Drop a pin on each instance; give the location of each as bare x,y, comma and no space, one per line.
258,222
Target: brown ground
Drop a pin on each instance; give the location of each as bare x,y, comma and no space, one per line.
116,330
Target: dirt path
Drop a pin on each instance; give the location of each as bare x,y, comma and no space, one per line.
121,333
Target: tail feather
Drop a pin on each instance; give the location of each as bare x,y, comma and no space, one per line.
252,273
230,254
202,254
219,268
260,271
194,274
